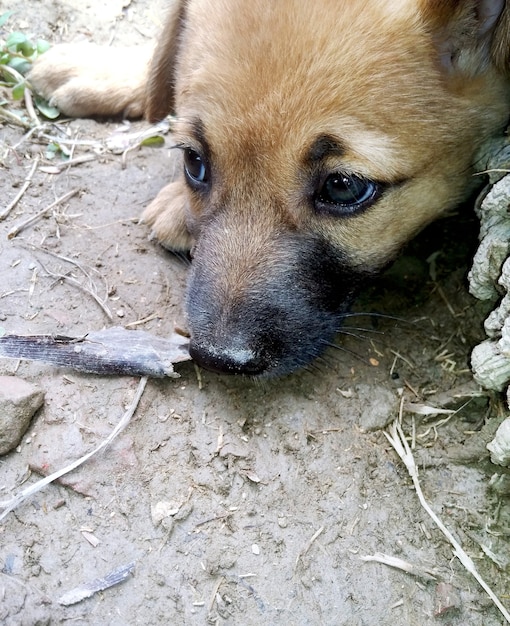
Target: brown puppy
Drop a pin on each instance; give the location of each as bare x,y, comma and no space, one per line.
317,138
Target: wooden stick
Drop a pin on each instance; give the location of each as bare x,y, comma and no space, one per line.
113,351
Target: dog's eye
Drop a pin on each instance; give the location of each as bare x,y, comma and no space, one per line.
343,194
195,168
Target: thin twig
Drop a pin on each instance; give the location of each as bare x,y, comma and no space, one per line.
10,117
144,320
66,141
29,105
92,290
61,257
31,220
77,284
25,186
394,561
397,439
13,503
447,302
309,544
216,588
56,168
28,135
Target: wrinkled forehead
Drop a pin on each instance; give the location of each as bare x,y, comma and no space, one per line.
266,73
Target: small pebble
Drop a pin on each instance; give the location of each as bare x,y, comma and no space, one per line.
19,400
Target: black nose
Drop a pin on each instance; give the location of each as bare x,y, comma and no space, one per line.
228,359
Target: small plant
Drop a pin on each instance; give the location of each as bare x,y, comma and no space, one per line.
17,53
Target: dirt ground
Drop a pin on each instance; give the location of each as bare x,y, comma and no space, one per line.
276,489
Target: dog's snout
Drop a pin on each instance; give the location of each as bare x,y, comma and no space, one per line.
228,358
267,310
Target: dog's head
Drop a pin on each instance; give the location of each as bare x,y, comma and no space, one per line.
317,138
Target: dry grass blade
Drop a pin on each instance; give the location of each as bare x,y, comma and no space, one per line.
397,439
419,408
60,167
17,229
309,544
29,105
88,290
12,118
91,290
410,568
25,186
13,503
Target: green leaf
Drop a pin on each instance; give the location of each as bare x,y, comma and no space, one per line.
5,16
8,78
26,48
20,65
46,109
16,39
52,150
154,141
42,45
18,91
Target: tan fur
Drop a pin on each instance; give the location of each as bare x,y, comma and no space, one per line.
84,80
166,214
408,88
398,116
163,72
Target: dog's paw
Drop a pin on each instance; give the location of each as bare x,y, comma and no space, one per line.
166,216
85,79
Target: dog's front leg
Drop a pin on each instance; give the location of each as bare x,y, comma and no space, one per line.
166,216
84,79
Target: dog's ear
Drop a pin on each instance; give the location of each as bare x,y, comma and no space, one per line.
161,81
470,34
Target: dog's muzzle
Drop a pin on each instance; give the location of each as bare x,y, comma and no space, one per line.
269,314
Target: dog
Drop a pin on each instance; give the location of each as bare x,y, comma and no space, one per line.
316,139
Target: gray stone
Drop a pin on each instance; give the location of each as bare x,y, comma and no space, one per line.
380,407
19,400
